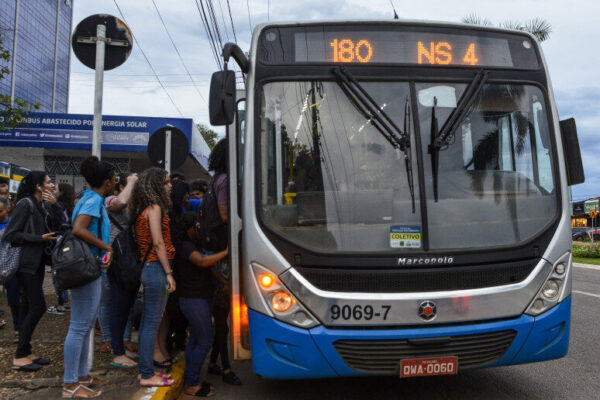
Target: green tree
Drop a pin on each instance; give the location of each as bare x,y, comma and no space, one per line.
538,27
11,114
210,137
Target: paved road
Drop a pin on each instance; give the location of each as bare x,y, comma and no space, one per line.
576,376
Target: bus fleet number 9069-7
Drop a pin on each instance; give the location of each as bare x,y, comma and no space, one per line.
358,312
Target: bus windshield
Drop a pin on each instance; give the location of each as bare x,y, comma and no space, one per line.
330,181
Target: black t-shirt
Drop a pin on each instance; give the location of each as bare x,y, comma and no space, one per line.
192,281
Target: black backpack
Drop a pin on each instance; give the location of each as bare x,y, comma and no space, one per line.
126,269
211,230
73,263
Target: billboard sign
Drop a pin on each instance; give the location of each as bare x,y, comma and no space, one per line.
74,131
590,205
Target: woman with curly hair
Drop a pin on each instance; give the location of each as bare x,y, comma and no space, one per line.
148,207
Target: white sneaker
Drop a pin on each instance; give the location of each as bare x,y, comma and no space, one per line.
56,311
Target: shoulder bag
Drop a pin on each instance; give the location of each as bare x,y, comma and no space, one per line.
10,256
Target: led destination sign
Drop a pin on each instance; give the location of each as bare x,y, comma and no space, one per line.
402,48
396,44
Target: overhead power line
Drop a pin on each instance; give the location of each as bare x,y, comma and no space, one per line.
148,61
177,51
231,18
394,8
209,34
249,20
113,74
223,18
140,86
215,23
150,80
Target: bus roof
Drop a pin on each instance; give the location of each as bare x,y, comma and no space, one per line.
414,22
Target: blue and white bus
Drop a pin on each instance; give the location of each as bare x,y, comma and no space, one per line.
402,199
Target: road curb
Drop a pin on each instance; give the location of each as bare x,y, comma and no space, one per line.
587,266
172,392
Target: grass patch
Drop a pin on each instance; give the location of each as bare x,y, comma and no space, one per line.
586,260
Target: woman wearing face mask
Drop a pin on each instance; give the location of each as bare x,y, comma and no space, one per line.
28,229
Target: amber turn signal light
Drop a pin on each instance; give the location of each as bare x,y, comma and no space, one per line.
266,280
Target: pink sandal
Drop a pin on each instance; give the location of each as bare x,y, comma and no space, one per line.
165,383
159,374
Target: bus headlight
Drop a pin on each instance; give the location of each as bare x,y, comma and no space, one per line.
551,289
281,301
560,268
555,289
278,298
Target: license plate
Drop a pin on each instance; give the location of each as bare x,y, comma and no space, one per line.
410,368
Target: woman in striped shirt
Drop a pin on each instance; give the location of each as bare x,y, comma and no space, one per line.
148,208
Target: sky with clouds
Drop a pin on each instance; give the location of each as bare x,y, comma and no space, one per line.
132,89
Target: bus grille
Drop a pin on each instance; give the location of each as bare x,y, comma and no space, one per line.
403,280
384,356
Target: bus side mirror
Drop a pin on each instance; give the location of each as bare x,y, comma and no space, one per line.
222,98
572,153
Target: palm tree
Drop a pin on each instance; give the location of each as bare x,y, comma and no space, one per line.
538,27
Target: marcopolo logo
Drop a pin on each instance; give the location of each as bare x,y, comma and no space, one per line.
427,310
425,260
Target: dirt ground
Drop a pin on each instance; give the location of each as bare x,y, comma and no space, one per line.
48,340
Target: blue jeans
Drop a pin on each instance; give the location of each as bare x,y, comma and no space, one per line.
198,313
121,317
104,314
61,295
154,301
106,310
85,303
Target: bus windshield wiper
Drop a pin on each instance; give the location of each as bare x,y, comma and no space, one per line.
439,139
408,153
382,122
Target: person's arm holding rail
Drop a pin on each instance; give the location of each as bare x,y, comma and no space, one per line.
207,260
120,202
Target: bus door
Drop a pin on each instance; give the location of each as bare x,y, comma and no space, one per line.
240,338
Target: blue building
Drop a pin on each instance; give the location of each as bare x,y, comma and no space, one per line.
37,35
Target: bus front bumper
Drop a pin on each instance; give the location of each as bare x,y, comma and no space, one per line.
281,351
